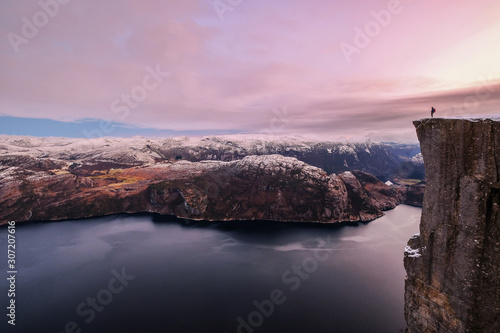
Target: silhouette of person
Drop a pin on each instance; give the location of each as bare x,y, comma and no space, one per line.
432,112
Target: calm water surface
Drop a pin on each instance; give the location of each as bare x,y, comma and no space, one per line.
150,274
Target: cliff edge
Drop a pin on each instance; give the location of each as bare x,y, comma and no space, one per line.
453,265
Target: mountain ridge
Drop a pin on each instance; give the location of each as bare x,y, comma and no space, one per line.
386,161
257,187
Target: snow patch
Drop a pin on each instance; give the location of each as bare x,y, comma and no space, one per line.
413,253
417,159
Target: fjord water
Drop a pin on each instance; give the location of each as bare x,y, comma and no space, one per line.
177,276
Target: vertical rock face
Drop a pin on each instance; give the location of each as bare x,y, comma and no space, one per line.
453,265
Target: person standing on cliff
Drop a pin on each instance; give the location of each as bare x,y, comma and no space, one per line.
432,112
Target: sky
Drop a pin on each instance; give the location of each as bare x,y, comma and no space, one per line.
354,69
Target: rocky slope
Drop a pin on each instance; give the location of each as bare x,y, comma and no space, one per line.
453,265
385,161
268,187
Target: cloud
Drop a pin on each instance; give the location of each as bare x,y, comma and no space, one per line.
233,74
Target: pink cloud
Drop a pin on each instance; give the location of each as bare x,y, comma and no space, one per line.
232,74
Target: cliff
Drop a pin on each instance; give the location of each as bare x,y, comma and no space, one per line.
268,187
453,265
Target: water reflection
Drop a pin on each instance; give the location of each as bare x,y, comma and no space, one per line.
208,277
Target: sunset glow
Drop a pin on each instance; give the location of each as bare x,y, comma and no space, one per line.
357,69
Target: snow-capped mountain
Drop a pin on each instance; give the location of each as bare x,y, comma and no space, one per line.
213,178
386,161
